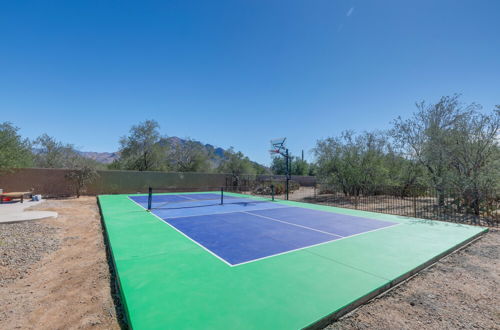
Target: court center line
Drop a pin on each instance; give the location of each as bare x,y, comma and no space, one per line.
184,196
292,224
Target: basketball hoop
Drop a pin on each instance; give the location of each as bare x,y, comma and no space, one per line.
274,152
279,148
278,144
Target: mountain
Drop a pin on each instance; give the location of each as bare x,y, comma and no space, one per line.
101,157
216,154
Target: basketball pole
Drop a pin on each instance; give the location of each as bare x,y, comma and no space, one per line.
287,172
279,146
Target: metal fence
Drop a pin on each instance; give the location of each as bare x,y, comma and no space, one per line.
469,207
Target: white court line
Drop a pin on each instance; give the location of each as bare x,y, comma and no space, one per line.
309,246
161,204
269,256
192,240
289,223
214,213
181,196
213,253
184,196
136,202
287,251
177,230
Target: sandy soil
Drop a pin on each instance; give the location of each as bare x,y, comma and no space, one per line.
54,274
69,288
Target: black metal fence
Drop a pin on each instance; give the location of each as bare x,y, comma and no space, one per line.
470,206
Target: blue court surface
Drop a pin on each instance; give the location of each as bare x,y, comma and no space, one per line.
243,230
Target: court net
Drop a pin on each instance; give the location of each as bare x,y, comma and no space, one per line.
171,198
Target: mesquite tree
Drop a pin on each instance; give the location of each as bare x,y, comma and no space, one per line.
141,150
456,144
80,176
14,150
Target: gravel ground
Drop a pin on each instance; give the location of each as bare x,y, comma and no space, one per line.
55,272
23,244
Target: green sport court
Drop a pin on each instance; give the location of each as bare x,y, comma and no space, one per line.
207,260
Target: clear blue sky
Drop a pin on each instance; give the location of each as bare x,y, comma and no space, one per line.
238,73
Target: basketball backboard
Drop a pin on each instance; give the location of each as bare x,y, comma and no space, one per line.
278,144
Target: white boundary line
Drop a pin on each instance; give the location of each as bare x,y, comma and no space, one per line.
192,240
288,251
306,247
136,203
269,256
177,230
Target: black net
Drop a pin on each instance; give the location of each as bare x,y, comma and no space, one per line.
174,198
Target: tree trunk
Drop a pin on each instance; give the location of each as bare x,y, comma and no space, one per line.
440,195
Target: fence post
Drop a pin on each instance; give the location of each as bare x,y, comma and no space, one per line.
414,205
272,192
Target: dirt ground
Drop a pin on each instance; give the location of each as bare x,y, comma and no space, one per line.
54,274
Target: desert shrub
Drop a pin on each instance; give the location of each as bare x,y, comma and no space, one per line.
264,188
80,176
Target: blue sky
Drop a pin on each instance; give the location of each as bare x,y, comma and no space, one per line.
238,73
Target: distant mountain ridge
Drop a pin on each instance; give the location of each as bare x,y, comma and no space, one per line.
101,157
217,154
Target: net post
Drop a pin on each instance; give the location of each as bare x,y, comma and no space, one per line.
150,198
272,192
221,195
